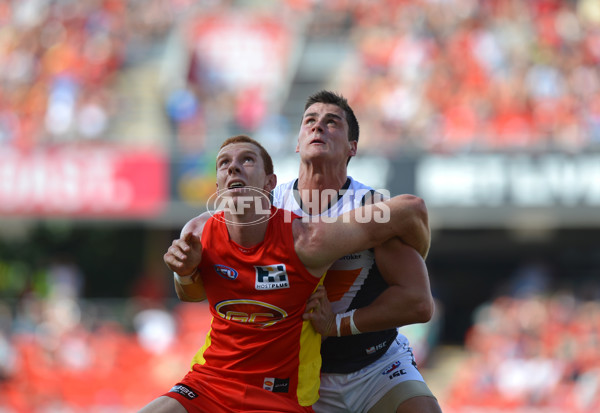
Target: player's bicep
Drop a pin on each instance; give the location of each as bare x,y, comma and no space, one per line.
412,269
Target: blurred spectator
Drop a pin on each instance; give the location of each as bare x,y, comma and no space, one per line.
155,329
532,278
65,279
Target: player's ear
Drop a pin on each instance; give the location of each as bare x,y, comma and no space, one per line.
270,182
353,145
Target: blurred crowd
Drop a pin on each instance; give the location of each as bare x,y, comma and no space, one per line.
61,352
531,353
425,75
463,75
59,65
76,360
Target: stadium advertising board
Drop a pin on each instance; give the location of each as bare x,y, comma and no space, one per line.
552,190
104,182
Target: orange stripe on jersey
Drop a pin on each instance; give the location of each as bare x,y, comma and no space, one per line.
338,282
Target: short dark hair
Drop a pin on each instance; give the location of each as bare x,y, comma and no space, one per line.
326,96
263,152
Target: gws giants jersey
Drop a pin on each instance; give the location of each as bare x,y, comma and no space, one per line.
257,297
353,281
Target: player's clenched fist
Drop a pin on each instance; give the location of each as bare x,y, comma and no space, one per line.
184,254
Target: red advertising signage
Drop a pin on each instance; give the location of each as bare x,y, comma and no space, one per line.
108,182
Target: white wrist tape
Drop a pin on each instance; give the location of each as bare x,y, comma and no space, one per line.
185,279
345,324
338,322
353,328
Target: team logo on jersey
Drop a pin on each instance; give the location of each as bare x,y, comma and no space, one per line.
276,385
251,312
225,271
271,277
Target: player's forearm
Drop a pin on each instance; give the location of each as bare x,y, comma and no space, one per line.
408,298
393,308
192,292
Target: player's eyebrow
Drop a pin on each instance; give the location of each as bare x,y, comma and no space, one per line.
327,115
246,152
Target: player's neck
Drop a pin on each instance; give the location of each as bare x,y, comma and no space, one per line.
314,176
247,235
318,188
248,229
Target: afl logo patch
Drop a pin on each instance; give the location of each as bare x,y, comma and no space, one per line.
226,272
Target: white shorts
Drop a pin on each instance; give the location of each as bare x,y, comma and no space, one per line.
359,391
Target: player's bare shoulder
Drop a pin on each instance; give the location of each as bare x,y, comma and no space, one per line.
196,224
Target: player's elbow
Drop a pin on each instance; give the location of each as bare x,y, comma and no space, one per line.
413,227
418,209
424,308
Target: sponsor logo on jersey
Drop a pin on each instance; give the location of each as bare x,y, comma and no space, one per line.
391,367
226,272
276,385
250,311
271,277
351,257
373,349
184,390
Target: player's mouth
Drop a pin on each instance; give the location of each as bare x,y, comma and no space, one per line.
236,185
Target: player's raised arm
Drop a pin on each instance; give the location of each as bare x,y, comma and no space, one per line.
319,242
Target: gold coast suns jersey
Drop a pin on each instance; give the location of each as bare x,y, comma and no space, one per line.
257,297
353,281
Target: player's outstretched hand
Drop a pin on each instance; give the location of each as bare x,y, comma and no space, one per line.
319,312
184,254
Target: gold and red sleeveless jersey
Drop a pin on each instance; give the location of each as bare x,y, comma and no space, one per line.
257,297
